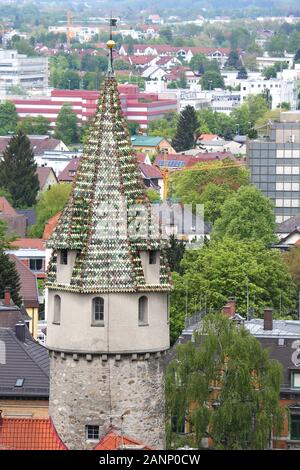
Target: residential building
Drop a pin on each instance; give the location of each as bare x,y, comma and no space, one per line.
279,90
137,106
28,293
24,367
289,229
267,61
32,253
147,144
47,178
116,358
274,162
30,73
39,143
16,223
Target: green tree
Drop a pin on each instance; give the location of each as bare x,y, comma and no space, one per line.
198,61
133,127
175,253
246,215
242,74
120,64
70,80
211,80
5,193
9,277
164,127
277,45
153,195
187,130
188,185
50,203
292,260
270,72
18,171
66,125
233,61
36,125
213,198
244,269
166,34
243,410
8,118
182,82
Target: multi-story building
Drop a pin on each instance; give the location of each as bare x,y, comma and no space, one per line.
30,73
137,106
274,162
279,90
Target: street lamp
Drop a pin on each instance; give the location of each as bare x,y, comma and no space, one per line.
210,83
238,129
69,84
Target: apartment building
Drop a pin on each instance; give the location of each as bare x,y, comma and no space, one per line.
274,162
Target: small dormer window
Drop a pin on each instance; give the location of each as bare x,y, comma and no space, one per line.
64,257
152,257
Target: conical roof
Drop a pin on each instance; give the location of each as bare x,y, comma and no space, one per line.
108,218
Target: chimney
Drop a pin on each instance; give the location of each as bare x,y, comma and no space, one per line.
20,331
229,308
7,297
268,319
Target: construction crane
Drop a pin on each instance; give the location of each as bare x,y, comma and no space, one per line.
205,167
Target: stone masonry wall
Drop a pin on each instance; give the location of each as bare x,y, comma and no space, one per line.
99,390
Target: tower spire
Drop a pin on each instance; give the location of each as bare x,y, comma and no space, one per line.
111,45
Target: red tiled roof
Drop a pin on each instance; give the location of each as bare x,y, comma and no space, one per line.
141,157
140,59
43,173
34,243
29,434
6,208
208,136
113,440
50,226
150,171
28,289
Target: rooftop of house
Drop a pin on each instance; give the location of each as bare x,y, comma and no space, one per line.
28,289
6,208
146,141
281,328
24,370
29,434
29,243
43,173
115,440
40,144
150,171
50,226
289,225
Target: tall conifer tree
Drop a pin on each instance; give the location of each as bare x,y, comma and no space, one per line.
186,133
18,171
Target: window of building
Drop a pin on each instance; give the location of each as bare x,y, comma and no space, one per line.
2,352
152,257
64,257
57,310
143,310
98,310
36,264
296,379
92,432
295,427
19,383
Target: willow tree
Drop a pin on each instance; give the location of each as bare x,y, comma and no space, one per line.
225,387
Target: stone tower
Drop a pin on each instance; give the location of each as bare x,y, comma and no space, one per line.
107,294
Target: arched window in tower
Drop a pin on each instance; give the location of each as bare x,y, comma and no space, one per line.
98,311
57,310
143,310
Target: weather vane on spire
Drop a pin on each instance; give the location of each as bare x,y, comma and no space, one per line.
111,45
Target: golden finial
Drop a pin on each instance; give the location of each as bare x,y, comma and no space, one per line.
111,44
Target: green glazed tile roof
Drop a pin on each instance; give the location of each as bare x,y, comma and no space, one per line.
108,172
145,141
